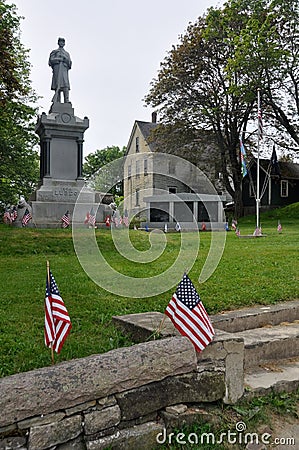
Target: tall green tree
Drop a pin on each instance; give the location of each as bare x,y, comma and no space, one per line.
103,170
209,81
18,159
193,88
267,50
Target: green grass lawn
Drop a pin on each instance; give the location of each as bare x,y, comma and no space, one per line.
251,271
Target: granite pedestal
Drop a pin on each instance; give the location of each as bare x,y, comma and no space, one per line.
61,153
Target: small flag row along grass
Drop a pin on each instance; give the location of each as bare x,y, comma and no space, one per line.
251,271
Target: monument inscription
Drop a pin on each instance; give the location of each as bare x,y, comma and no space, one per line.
66,193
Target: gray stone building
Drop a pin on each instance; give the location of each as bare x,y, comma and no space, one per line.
164,188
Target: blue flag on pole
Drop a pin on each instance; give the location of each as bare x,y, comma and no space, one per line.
243,159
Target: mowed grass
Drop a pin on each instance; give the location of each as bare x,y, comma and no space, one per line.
251,271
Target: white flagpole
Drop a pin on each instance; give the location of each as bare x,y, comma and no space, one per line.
258,160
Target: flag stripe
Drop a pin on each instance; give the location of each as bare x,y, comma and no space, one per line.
57,321
190,322
188,315
185,330
260,124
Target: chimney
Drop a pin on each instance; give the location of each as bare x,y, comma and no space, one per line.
154,117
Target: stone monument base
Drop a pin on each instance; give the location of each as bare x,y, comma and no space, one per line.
55,197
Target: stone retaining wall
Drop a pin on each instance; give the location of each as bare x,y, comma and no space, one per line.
120,399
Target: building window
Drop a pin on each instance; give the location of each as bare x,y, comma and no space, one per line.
284,188
137,144
172,190
137,169
129,171
145,167
137,197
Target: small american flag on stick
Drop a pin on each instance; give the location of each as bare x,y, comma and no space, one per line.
14,213
92,218
26,217
65,220
57,320
7,216
126,218
189,316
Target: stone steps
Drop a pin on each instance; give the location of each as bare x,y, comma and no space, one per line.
272,343
272,377
270,335
256,317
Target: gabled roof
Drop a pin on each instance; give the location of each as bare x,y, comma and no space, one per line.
288,170
145,129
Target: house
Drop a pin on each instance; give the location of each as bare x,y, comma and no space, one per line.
279,185
164,188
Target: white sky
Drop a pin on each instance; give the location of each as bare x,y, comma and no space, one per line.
116,47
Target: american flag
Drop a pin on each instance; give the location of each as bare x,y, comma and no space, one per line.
14,214
257,231
260,123
189,316
126,218
274,163
92,218
65,220
243,159
57,320
107,221
86,220
279,227
234,224
117,221
7,216
126,221
26,217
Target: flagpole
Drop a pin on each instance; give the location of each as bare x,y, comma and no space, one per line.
49,285
258,158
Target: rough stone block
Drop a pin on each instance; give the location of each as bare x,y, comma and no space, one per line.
234,375
13,443
189,417
40,420
70,383
75,444
213,352
189,388
141,437
105,402
46,436
176,409
152,417
96,421
8,429
82,407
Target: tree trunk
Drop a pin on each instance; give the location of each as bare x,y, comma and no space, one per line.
238,203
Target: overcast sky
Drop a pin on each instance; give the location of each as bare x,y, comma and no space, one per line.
116,47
